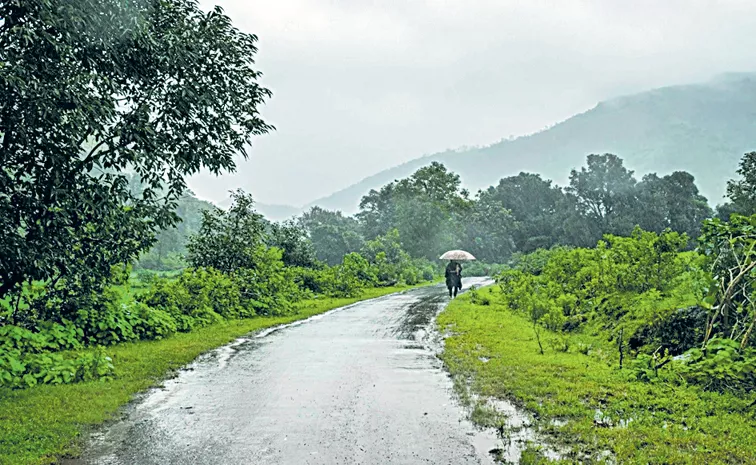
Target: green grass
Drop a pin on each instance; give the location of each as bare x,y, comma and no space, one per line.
44,423
668,423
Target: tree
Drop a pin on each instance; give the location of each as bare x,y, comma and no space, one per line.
730,250
386,253
742,192
536,206
376,215
229,240
292,239
170,243
488,230
389,246
332,234
604,191
91,88
671,202
420,207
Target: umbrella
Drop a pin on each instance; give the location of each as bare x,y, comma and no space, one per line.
459,255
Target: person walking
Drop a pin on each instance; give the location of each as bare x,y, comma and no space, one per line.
453,278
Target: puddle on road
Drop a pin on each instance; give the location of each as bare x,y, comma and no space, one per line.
504,430
514,431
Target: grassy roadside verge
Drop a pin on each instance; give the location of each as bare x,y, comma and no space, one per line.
41,424
657,423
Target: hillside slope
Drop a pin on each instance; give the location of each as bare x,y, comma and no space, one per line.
703,129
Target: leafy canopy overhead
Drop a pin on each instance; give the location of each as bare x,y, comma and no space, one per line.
92,88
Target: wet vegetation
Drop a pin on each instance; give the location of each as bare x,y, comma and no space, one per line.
635,350
625,307
106,108
42,424
579,399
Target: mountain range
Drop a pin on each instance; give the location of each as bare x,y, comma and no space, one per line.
701,128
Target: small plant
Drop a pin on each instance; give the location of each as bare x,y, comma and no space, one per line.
560,344
583,348
478,298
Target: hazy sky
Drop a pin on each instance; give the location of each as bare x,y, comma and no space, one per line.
363,85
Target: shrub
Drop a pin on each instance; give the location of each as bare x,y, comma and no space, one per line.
534,262
722,366
357,266
267,289
730,293
200,296
152,323
411,276
309,280
18,370
483,269
106,322
51,337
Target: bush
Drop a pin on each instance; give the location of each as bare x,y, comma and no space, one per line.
199,297
676,330
356,265
309,280
411,276
428,270
534,262
345,280
51,337
18,370
267,289
152,323
483,269
107,322
722,366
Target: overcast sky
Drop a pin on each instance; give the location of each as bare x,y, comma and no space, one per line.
363,85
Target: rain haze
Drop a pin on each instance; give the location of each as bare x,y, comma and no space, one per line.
360,86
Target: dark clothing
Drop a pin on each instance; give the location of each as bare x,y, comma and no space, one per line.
453,278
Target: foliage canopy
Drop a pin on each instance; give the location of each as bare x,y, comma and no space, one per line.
93,89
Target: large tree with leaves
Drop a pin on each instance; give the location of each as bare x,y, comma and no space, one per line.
291,238
670,202
91,88
488,228
538,209
420,207
605,192
332,234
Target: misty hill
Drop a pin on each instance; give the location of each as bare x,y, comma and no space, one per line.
702,128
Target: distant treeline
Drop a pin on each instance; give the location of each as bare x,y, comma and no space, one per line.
431,213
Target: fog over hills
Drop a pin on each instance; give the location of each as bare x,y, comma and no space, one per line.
700,128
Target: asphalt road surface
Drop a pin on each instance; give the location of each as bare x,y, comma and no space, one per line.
358,385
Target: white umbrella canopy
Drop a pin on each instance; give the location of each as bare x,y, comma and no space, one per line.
459,255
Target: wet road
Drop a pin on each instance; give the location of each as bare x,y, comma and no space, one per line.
358,385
